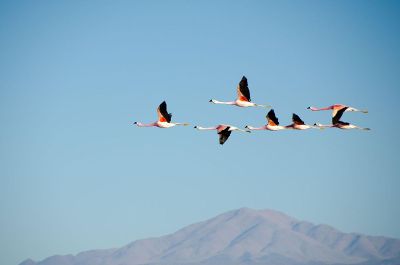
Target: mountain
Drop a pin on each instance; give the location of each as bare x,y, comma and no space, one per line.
245,237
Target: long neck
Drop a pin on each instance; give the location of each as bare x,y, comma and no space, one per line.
224,102
256,128
139,124
206,128
318,109
321,126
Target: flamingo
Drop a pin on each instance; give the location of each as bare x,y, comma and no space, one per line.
298,124
335,108
164,119
337,123
223,130
243,97
272,125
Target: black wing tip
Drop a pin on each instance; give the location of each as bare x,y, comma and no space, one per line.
338,116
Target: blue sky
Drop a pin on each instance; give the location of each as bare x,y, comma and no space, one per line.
76,175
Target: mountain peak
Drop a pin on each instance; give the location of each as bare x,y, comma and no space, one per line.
245,236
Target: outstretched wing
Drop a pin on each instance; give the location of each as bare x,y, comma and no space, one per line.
163,115
272,119
296,119
343,123
338,115
224,135
336,108
243,90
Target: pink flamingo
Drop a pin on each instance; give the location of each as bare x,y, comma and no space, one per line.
243,97
335,108
272,125
337,123
223,130
164,119
298,124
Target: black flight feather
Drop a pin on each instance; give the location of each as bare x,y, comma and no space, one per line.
224,135
164,112
244,88
338,115
296,119
271,115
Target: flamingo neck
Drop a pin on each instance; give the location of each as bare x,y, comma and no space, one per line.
206,128
322,126
224,102
139,124
256,128
318,109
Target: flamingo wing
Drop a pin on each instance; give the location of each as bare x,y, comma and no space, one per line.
163,115
338,115
224,135
243,90
336,108
272,119
296,120
343,123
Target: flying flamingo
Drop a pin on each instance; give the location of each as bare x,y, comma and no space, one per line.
298,124
272,125
243,97
337,123
164,119
223,130
335,108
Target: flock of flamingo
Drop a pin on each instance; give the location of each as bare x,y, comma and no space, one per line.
243,100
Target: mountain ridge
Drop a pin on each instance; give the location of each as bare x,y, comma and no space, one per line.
245,236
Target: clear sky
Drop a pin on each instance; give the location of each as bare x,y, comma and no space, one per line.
75,174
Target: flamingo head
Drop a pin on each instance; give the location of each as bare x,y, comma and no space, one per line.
246,127
212,100
195,127
135,122
319,126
